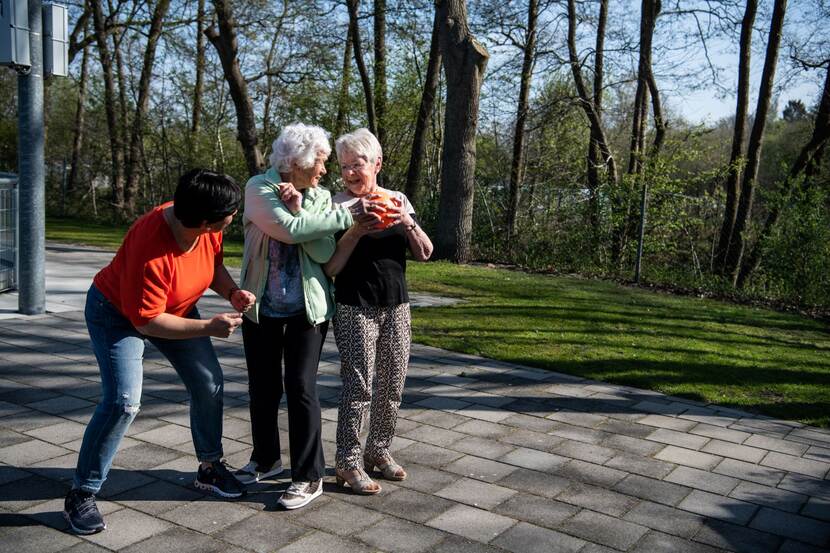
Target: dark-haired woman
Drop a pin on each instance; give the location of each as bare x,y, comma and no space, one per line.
169,257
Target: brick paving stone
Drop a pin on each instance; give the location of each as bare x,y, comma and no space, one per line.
579,433
413,505
20,535
485,412
660,407
26,420
86,547
644,466
60,404
749,471
578,418
632,445
479,468
818,453
433,435
585,452
340,518
814,436
483,429
10,474
532,440
442,403
488,449
657,542
27,453
527,422
604,529
460,544
439,418
799,547
144,456
126,527
60,433
816,469
652,490
734,451
740,539
166,436
27,492
718,506
393,534
537,510
528,538
426,479
703,480
806,485
669,423
680,439
792,526
590,473
817,507
156,497
533,459
626,428
666,519
427,454
179,540
688,457
208,516
539,483
776,444
317,542
720,433
597,499
770,497
262,532
475,493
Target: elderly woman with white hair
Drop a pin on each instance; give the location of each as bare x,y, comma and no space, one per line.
289,232
372,321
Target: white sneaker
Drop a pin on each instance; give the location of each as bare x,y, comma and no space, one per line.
253,473
299,494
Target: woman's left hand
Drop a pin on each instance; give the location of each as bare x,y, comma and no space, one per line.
291,197
396,213
242,300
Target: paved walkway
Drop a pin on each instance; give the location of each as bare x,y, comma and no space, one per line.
501,458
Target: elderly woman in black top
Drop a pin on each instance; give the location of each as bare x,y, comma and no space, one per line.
372,320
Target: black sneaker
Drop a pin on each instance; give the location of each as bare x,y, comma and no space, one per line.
219,480
81,513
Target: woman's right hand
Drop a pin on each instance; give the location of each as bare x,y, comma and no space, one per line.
223,325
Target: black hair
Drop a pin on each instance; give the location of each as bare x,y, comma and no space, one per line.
203,195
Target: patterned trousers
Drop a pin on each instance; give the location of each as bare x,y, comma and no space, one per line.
374,345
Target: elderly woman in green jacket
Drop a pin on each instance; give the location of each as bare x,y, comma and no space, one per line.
289,232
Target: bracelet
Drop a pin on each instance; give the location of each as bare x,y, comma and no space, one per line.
232,291
412,227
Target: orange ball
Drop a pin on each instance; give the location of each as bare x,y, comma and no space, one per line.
385,198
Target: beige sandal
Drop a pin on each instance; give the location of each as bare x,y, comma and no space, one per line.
388,467
358,481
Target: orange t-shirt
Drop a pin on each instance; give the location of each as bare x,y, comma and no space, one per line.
150,274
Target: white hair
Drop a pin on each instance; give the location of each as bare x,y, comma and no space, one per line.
361,143
298,143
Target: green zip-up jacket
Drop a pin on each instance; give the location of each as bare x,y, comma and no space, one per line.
312,228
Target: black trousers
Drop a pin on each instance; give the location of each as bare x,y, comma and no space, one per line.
298,343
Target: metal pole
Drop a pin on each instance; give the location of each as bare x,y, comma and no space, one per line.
643,205
32,299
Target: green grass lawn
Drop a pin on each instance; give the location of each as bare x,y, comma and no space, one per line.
737,356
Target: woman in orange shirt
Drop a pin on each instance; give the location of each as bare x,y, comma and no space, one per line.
169,257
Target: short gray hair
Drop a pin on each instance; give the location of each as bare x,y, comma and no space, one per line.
360,142
298,143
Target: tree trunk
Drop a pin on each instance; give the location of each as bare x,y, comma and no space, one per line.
808,159
116,148
361,66
464,61
224,40
737,243
142,106
199,85
738,133
380,72
585,101
517,162
345,81
433,74
80,116
594,157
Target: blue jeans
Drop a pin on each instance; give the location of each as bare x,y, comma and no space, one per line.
119,349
